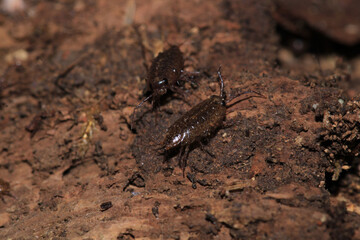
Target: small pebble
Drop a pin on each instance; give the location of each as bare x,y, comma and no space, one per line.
105,206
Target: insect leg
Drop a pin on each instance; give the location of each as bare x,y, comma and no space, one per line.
189,77
228,124
203,148
180,156
7,194
10,195
184,159
181,94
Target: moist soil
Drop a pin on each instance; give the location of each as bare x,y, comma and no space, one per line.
77,162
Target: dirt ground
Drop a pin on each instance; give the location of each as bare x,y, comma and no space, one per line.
285,166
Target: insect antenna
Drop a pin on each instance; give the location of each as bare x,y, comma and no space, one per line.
144,100
222,92
144,47
140,104
240,94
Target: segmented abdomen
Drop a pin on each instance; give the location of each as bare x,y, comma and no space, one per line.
200,122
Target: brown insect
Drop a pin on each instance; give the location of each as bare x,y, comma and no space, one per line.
199,123
165,73
4,189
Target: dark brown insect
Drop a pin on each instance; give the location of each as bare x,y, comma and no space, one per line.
165,73
4,189
198,123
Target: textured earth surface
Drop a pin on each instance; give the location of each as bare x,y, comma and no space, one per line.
76,164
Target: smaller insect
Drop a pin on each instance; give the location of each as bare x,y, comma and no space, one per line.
199,123
165,73
4,189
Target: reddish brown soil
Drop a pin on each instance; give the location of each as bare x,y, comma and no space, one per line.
72,72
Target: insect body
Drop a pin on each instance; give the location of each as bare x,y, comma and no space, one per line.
201,121
165,73
198,123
